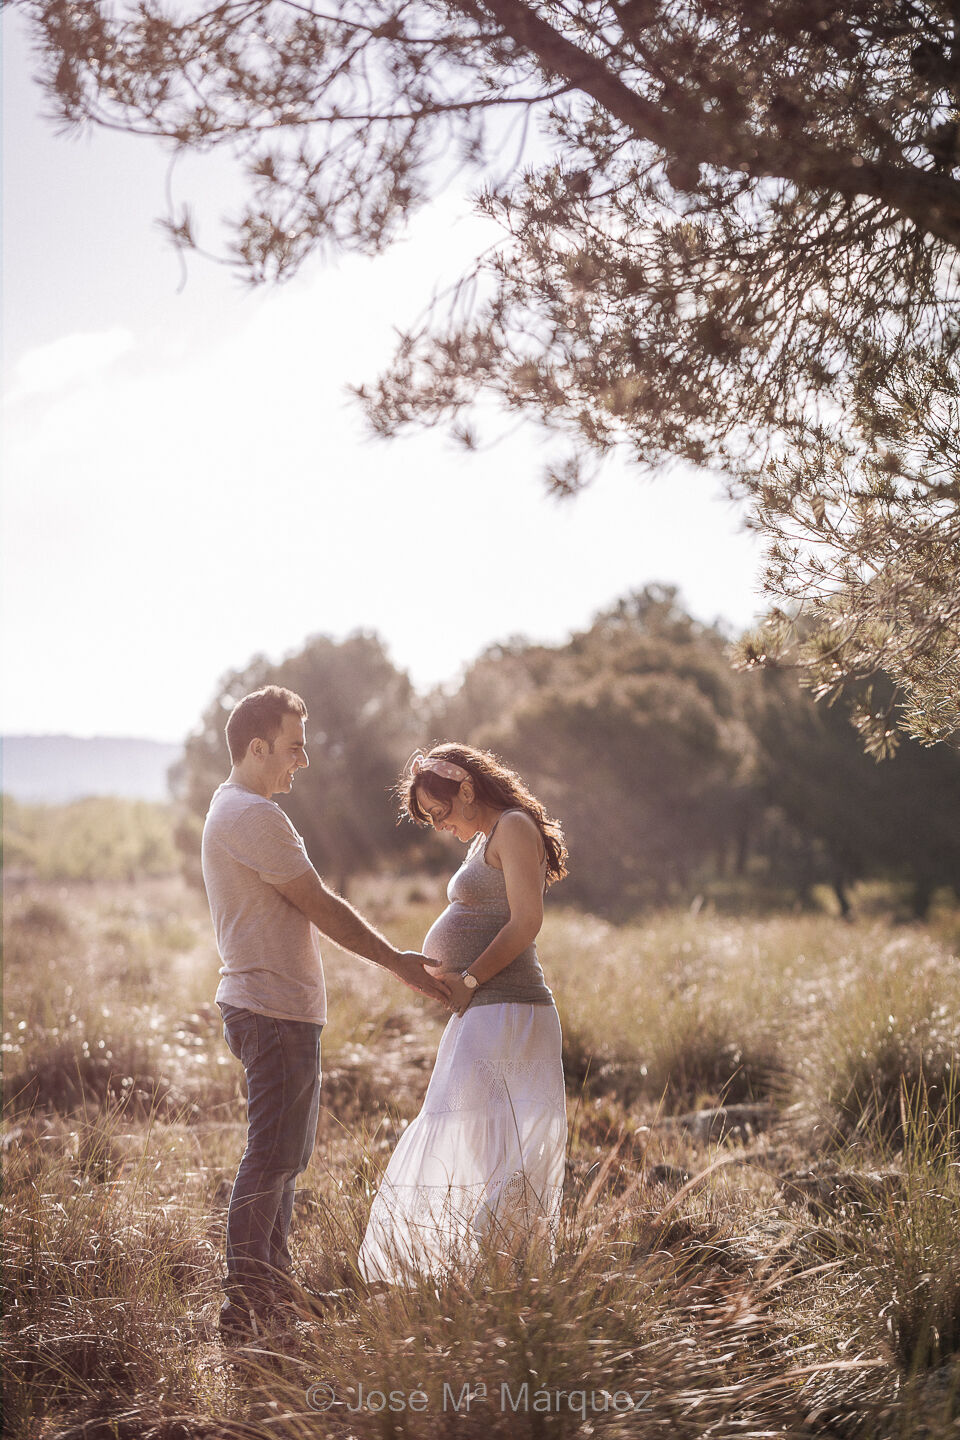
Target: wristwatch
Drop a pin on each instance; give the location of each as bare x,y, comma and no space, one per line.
471,981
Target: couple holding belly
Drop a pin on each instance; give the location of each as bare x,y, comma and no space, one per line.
483,1162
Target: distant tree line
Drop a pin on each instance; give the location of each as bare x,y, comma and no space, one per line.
99,837
671,772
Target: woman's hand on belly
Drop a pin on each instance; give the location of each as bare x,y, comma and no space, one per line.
460,995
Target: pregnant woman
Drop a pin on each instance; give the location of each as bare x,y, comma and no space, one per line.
484,1160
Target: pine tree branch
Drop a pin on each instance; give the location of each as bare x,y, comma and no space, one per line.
931,201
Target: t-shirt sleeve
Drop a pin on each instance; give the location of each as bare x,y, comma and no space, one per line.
266,841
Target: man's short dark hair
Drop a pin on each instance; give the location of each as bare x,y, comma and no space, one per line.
258,716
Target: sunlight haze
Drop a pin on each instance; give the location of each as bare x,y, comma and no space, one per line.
187,483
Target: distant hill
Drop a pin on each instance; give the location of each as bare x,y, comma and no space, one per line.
54,768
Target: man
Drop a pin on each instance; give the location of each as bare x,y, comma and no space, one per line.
267,903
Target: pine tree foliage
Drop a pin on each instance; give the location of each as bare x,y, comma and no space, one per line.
736,244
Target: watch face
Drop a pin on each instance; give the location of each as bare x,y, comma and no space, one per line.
471,982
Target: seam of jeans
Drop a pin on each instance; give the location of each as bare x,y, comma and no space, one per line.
285,1072
283,1081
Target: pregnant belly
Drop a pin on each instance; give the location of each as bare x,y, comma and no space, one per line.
458,936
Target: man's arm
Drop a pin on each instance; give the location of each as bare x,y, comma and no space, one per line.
338,920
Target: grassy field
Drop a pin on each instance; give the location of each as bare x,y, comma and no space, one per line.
761,1225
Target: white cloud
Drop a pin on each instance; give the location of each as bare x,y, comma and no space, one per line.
69,361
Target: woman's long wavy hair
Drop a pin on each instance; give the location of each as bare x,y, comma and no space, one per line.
494,784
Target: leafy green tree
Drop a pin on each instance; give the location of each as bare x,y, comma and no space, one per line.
855,819
736,242
671,772
632,733
490,687
362,726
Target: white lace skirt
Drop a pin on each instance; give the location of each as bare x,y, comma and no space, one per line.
483,1162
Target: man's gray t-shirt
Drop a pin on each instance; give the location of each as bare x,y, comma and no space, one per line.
269,949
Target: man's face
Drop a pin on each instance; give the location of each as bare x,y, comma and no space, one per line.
289,755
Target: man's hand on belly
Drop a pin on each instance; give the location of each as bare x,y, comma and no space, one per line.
413,970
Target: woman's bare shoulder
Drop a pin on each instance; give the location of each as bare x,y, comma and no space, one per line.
517,828
516,822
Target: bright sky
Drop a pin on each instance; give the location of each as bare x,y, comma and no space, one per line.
186,482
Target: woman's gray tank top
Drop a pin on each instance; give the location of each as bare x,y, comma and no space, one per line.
477,911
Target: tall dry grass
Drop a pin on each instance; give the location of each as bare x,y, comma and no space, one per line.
798,1277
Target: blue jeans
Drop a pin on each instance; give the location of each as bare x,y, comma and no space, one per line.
282,1063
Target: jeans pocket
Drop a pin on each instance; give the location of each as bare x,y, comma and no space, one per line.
241,1032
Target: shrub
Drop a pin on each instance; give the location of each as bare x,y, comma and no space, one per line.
907,1245
893,1029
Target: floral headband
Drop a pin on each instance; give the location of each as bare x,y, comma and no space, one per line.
444,768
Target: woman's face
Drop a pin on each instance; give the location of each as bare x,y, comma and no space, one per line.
449,817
